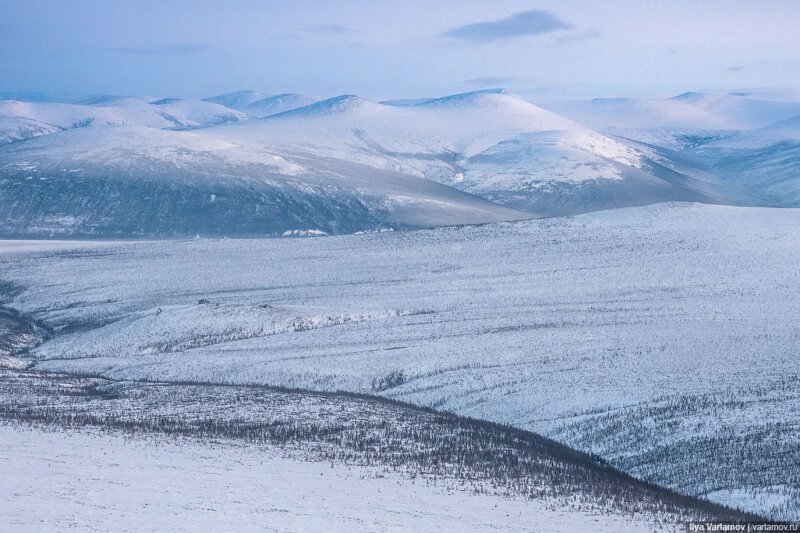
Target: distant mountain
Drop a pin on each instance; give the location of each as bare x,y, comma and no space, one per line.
279,103
24,120
765,160
344,104
192,113
110,166
41,96
683,121
237,99
492,144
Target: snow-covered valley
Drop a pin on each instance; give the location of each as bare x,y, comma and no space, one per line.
660,338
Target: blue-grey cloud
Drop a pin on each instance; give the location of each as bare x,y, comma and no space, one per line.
332,29
160,49
525,23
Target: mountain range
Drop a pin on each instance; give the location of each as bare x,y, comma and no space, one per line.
254,164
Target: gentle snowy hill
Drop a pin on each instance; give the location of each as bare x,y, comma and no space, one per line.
23,120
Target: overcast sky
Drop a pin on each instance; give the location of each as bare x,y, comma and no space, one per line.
392,49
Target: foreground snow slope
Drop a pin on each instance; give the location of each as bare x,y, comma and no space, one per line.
661,338
91,481
364,434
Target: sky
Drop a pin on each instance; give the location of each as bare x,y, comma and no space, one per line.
384,49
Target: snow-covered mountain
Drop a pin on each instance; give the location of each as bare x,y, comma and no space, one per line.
237,99
128,181
766,160
260,105
749,139
193,113
489,143
122,165
20,120
23,120
272,105
33,114
682,121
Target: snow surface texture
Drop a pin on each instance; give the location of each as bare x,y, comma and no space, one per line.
127,167
661,338
98,482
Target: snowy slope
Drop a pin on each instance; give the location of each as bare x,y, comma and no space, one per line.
17,128
95,481
661,338
311,452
